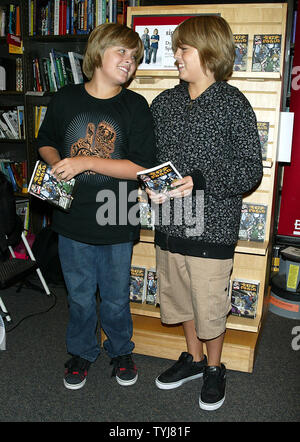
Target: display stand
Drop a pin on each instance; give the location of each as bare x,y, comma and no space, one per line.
251,259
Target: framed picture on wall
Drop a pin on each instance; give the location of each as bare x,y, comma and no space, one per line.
156,34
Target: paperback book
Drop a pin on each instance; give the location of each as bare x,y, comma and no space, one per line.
253,222
151,287
159,178
241,50
44,185
263,132
266,53
137,284
244,295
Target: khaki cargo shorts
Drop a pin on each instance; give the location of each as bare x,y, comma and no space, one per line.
194,288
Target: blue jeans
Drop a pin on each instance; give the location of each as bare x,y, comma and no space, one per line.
85,267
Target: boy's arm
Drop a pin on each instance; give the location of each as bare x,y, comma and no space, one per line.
70,167
49,154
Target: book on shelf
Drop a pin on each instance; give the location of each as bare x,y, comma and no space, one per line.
21,122
64,64
19,74
44,185
22,210
253,222
12,123
9,19
63,17
11,119
244,296
266,53
58,70
263,132
4,130
2,21
151,287
2,78
160,178
241,52
76,66
137,290
39,115
16,173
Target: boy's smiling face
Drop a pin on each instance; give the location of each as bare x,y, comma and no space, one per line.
118,64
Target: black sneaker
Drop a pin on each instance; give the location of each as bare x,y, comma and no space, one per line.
182,371
212,394
76,372
124,369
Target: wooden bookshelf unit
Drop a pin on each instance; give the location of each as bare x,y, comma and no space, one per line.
251,259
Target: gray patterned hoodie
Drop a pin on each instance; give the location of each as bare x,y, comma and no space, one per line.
214,139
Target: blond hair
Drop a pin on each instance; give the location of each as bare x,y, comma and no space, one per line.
212,37
105,36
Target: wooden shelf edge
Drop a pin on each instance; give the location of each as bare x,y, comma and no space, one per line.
243,324
233,322
256,248
144,310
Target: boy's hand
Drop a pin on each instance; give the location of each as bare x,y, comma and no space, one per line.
67,168
183,187
157,198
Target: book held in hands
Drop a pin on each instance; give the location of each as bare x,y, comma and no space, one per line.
44,185
159,178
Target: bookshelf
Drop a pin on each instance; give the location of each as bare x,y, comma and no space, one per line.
251,259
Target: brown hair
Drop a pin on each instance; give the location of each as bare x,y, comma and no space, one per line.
212,37
105,36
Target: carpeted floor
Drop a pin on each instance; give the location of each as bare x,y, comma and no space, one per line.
32,366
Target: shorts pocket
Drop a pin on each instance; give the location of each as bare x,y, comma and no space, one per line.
219,297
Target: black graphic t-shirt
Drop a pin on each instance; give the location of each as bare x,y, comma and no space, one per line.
77,124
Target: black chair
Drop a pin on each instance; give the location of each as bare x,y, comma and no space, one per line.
12,269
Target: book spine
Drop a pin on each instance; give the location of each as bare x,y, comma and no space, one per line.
11,176
56,17
54,69
7,117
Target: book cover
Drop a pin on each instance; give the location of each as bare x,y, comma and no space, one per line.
159,178
76,66
253,222
11,119
40,112
21,122
151,287
45,186
137,284
241,51
266,53
244,295
263,132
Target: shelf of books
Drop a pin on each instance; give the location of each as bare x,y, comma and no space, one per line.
259,31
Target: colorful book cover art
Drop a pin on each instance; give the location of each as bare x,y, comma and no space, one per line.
266,53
